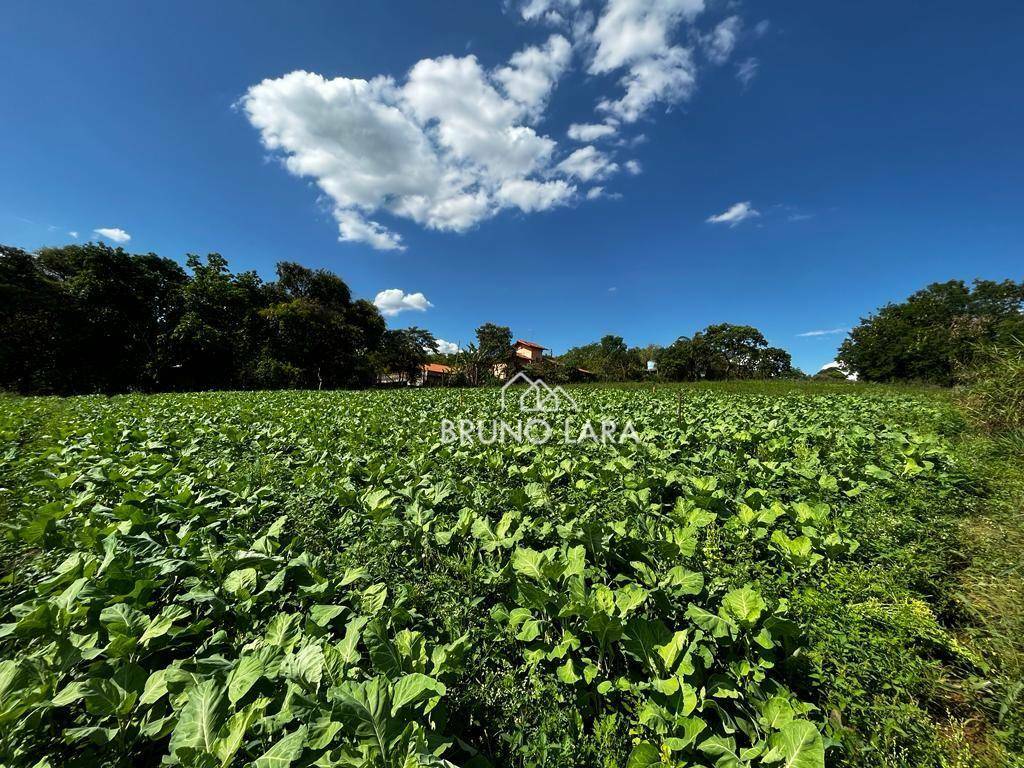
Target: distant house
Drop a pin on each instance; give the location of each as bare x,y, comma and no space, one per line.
528,352
524,353
429,375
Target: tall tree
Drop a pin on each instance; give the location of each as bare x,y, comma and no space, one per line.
731,351
215,343
936,330
117,309
405,351
36,325
316,336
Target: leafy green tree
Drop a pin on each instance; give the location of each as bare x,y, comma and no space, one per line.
731,351
723,351
610,359
215,343
935,331
774,363
493,352
114,310
678,361
494,342
405,350
316,337
36,324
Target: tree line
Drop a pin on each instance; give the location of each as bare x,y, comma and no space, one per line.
95,319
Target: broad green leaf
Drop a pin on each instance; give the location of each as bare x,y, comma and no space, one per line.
122,619
800,745
685,582
235,730
716,626
373,599
413,689
284,752
241,582
245,674
567,673
644,755
529,563
744,605
201,718
305,666
156,687
71,693
322,615
629,598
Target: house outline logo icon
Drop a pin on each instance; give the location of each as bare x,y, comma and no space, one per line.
538,397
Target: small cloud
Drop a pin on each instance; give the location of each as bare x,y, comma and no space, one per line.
794,217
613,289
634,167
747,70
116,234
600,193
394,300
737,214
722,41
829,332
762,28
74,234
587,164
587,132
446,347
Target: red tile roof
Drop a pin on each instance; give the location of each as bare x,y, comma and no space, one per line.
530,344
437,368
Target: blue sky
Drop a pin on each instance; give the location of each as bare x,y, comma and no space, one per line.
863,150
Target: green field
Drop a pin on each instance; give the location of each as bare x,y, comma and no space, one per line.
784,575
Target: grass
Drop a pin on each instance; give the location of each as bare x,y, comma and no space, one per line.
990,589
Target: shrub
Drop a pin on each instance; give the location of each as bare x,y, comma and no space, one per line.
994,388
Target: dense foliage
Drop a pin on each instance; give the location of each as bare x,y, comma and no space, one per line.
934,332
295,579
90,318
724,351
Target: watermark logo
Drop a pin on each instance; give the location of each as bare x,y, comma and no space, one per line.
538,397
546,414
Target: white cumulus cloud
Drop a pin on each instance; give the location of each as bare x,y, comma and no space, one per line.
737,214
394,300
74,234
443,149
455,141
588,163
528,195
446,347
637,35
590,131
115,234
634,167
532,73
538,9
